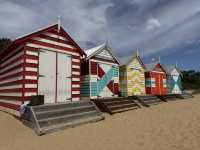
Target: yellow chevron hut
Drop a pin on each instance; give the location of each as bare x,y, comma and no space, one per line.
132,77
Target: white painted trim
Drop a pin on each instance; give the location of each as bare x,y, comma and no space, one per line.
12,52
52,49
30,93
11,87
55,36
11,79
75,66
12,72
104,62
53,42
75,73
32,61
76,99
33,53
31,77
31,69
10,66
30,85
75,85
75,92
11,94
75,79
75,60
11,59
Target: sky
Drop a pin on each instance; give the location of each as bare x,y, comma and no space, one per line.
169,29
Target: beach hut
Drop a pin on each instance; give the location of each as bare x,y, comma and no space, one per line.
46,62
155,79
174,85
132,77
100,73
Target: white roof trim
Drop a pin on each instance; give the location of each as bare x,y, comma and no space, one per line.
93,51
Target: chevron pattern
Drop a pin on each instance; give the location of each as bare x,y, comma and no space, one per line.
132,79
137,85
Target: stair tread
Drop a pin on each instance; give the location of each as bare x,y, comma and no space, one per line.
122,105
66,116
72,123
119,103
62,109
122,110
65,105
113,101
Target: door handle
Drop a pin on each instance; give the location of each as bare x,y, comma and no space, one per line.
69,77
41,76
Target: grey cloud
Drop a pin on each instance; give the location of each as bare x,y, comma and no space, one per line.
123,22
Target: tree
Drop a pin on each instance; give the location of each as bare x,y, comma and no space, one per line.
191,79
4,43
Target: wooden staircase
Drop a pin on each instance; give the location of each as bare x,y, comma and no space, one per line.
149,100
53,117
171,97
116,105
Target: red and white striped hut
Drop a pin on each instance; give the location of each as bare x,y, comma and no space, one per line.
46,62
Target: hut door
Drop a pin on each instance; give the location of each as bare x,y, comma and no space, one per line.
105,86
63,77
160,84
47,75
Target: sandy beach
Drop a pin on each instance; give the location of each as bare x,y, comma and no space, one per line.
174,125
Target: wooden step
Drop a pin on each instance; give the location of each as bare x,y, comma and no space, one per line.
47,117
59,112
65,118
123,110
119,102
122,106
117,105
74,123
149,100
60,105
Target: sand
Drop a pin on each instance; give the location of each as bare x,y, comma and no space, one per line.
168,126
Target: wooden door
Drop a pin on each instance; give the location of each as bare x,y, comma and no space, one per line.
63,78
47,76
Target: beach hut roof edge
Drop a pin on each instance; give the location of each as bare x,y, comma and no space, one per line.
95,50
27,37
135,55
170,68
151,66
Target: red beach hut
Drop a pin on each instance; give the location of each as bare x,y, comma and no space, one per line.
155,79
46,62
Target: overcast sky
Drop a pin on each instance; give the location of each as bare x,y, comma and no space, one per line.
166,28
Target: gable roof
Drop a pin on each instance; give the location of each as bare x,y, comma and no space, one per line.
95,50
27,37
170,68
135,56
151,66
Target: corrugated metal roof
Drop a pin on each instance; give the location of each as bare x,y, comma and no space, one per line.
93,50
